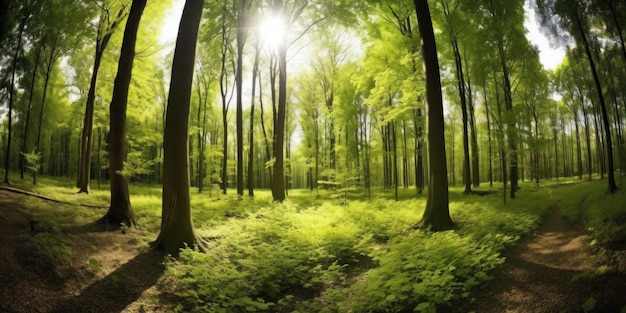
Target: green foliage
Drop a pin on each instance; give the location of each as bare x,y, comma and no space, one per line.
589,304
32,161
422,271
309,255
604,215
47,252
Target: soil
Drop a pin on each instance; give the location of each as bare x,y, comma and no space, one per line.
106,273
555,270
550,271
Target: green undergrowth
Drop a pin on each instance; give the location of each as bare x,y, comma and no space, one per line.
366,256
603,214
322,253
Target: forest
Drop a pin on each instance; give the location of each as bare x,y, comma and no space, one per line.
312,156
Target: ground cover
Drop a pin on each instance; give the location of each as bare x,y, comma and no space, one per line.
330,253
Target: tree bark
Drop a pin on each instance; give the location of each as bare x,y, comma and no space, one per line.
278,181
11,93
176,225
612,187
437,213
102,40
255,69
239,118
24,148
120,210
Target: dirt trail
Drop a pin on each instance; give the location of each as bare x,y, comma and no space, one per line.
548,273
121,279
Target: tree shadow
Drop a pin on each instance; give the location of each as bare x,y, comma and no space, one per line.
92,227
119,289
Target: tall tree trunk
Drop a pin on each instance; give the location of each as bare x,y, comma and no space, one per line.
51,60
225,104
268,154
255,69
239,118
419,153
472,128
102,40
405,162
612,187
11,93
489,141
120,210
587,140
460,79
176,225
436,214
24,147
278,181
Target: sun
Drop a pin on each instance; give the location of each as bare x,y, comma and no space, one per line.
272,30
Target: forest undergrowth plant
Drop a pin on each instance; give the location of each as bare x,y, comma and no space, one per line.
291,256
47,252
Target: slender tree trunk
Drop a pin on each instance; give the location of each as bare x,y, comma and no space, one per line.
176,225
223,88
102,40
489,142
255,69
472,129
405,163
268,154
419,153
612,187
239,118
120,210
11,93
394,144
278,190
436,214
28,112
588,141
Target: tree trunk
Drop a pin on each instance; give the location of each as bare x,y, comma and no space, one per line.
102,40
612,187
436,214
176,225
11,93
239,118
419,153
24,148
255,69
120,210
278,182
489,141
225,104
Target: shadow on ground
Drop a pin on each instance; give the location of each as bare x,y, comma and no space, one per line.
114,292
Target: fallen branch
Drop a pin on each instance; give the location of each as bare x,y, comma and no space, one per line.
40,196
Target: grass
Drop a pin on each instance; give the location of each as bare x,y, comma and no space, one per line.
343,254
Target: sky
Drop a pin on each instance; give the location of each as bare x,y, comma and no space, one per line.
549,57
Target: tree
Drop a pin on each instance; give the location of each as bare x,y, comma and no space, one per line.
176,225
106,26
437,212
449,19
18,48
572,16
120,210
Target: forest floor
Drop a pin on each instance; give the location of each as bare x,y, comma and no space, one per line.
109,271
554,270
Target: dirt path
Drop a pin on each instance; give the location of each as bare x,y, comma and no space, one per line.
550,272
106,273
